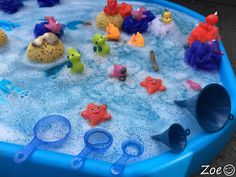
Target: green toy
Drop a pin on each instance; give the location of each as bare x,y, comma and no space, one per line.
100,46
74,61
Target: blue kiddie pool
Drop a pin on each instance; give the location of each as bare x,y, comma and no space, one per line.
50,95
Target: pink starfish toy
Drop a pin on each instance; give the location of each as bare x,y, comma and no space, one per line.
53,25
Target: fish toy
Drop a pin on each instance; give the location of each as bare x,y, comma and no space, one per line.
113,33
96,114
194,85
100,46
137,40
153,85
75,63
166,17
119,72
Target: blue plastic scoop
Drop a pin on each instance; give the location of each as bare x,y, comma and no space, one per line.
50,130
131,149
96,139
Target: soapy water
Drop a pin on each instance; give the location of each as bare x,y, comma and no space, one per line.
135,114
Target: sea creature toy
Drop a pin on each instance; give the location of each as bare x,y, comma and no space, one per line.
166,17
112,7
49,38
132,25
7,25
125,9
10,6
119,72
153,85
203,56
50,25
100,46
72,25
139,13
113,33
48,3
137,40
96,114
74,59
194,85
205,32
154,61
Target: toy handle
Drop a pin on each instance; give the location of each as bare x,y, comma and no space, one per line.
25,153
231,117
78,161
118,167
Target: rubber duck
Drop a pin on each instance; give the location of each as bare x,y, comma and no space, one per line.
113,33
96,114
153,85
119,72
137,40
74,61
166,17
100,46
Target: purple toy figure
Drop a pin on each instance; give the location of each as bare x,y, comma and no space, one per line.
119,72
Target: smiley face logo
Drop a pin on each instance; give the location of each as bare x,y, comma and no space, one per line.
229,170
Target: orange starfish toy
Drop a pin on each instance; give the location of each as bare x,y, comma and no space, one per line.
96,114
153,85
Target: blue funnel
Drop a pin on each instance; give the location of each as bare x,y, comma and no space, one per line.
175,137
211,107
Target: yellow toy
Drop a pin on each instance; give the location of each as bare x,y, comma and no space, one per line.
137,40
166,17
113,33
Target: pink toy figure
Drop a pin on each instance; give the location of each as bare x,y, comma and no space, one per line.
194,85
53,25
119,72
138,14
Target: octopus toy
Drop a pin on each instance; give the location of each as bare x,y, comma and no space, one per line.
137,40
113,33
205,32
153,85
119,72
96,114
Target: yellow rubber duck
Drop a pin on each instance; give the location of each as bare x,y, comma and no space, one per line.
166,17
113,33
137,40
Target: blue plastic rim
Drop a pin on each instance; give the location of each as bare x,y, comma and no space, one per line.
200,150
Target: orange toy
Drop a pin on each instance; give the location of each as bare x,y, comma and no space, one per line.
113,33
153,85
96,114
205,32
137,40
125,9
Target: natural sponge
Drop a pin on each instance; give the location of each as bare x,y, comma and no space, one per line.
45,49
103,20
3,38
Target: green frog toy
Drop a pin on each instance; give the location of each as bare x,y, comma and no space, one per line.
74,61
100,46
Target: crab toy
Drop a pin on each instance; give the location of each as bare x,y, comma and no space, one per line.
153,85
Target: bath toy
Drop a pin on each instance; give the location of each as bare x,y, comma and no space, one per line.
139,13
153,85
131,149
10,6
204,56
166,17
205,32
125,9
72,25
137,40
154,61
132,25
50,25
175,137
7,25
194,85
119,72
211,107
100,46
74,57
48,3
102,20
45,49
112,7
113,33
96,140
3,38
96,114
50,130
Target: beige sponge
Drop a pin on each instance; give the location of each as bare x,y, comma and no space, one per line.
3,38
